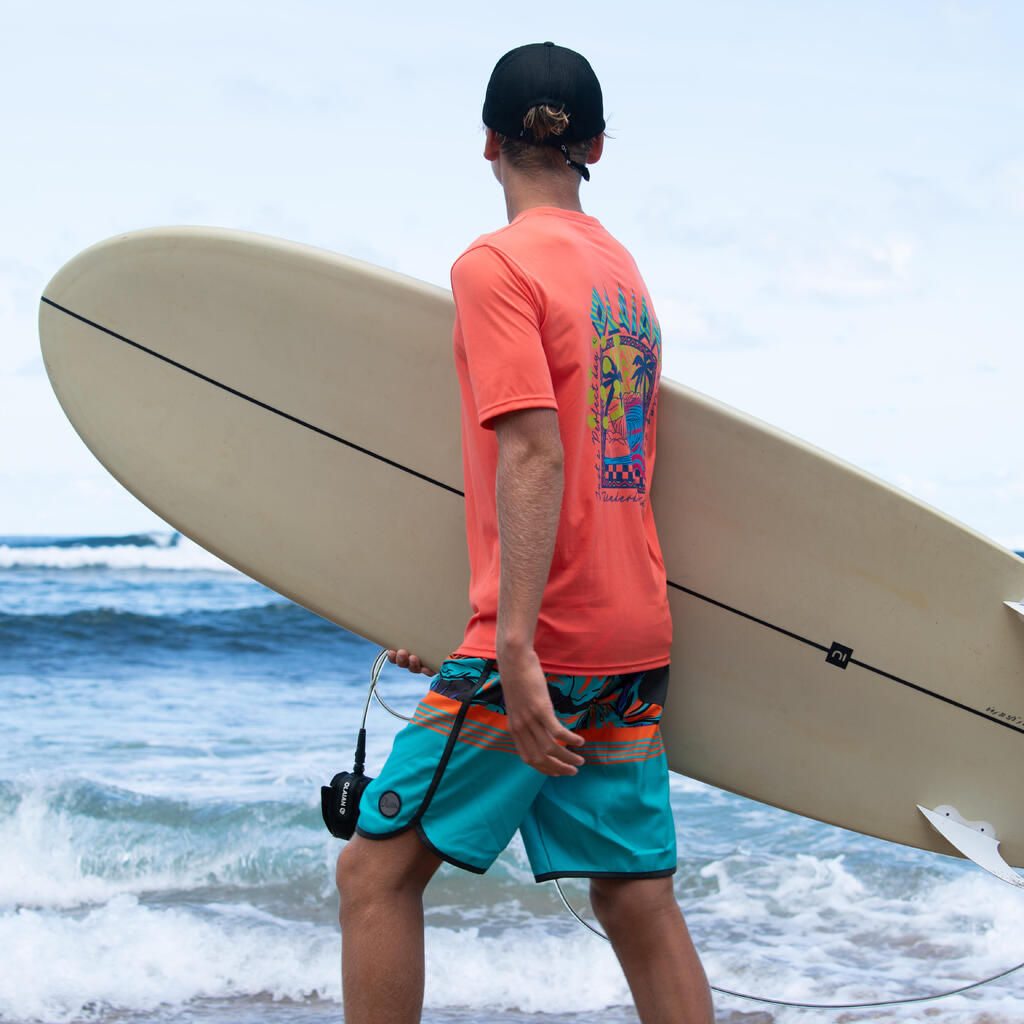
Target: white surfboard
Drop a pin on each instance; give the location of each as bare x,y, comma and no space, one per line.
842,651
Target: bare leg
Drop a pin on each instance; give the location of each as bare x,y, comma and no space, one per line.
650,938
381,883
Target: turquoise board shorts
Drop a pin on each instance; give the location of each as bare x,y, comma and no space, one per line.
454,775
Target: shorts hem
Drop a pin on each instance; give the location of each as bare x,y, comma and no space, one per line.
360,831
550,876
454,861
444,856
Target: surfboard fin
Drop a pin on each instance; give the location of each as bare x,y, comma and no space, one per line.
1017,606
976,840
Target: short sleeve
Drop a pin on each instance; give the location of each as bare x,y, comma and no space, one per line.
498,322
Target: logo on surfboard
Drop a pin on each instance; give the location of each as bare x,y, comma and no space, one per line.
839,655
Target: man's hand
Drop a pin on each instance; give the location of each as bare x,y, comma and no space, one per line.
403,659
540,738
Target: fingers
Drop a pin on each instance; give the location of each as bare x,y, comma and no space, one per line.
545,745
558,761
564,760
403,659
569,739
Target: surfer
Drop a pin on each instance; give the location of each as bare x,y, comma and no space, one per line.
546,718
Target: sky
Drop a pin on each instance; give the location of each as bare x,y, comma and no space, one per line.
826,199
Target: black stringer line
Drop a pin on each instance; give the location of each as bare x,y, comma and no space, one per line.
745,615
255,401
853,661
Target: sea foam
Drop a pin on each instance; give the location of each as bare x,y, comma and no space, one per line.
147,902
124,955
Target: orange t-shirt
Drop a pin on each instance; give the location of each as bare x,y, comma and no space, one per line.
551,312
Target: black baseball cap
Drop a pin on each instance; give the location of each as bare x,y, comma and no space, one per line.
543,73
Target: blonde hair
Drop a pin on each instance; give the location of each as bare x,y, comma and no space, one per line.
543,122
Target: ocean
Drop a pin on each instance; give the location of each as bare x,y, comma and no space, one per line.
167,726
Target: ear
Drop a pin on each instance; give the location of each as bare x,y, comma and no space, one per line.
492,148
596,149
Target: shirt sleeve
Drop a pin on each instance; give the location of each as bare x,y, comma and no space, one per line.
498,318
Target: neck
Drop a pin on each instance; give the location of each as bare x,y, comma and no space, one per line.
524,192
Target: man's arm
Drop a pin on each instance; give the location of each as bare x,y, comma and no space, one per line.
529,496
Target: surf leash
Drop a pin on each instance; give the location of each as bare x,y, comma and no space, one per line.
375,673
813,1006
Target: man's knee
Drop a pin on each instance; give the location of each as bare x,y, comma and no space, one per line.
631,902
352,865
369,869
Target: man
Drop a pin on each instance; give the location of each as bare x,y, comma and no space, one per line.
546,717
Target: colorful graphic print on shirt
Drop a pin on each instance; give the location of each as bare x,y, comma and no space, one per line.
623,395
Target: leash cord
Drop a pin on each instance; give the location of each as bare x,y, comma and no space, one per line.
378,664
814,1006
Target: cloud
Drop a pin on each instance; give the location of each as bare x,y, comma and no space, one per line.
661,214
20,286
853,270
686,325
925,201
1008,181
33,367
962,16
262,96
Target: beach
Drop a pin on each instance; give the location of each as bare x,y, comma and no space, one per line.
168,724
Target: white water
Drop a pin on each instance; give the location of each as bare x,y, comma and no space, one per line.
180,556
160,841
133,927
